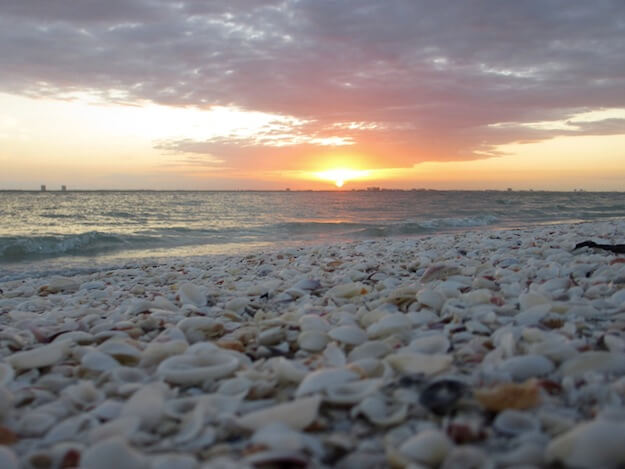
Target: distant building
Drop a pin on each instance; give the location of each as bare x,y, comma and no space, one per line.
43,188
373,189
63,188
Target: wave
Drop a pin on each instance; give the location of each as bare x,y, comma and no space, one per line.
18,248
94,243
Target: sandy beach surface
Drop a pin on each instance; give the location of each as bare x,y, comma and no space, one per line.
479,349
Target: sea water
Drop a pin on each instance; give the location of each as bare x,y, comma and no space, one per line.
58,229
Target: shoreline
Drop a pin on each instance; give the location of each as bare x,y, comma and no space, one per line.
486,346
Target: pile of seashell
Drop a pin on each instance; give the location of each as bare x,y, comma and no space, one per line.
470,350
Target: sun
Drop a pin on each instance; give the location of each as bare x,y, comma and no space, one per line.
341,175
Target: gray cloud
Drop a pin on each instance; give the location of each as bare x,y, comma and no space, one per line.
436,75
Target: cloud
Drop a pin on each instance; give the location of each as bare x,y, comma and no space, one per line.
425,80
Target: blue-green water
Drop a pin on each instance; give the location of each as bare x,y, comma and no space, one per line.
71,226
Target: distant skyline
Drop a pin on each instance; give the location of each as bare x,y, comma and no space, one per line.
312,94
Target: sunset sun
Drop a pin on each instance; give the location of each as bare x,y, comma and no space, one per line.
339,176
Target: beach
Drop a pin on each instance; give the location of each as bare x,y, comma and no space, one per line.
490,348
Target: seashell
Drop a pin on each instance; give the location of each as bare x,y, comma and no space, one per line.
191,294
312,340
174,461
125,375
348,290
370,349
108,410
39,357
121,427
509,396
530,300
370,368
431,298
146,404
271,336
112,452
6,374
277,435
308,284
277,458
428,447
191,426
76,337
195,368
352,392
514,422
35,424
334,356
597,361
523,367
414,363
156,352
83,395
97,362
350,335
6,403
441,396
8,459
59,284
430,344
439,272
467,457
321,380
288,371
598,443
313,322
527,454
297,414
200,328
70,428
376,409
388,325
121,351
238,387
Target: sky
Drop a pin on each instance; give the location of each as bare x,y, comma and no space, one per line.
312,94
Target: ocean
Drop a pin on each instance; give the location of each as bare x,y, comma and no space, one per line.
57,230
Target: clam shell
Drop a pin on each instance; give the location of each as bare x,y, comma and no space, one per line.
414,363
388,325
191,294
514,422
352,392
370,349
156,352
147,404
6,374
312,340
430,344
428,447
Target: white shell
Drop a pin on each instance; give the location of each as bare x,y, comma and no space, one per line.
191,294
388,325
8,460
598,443
428,364
297,414
147,404
156,352
348,334
320,380
513,422
6,374
370,349
312,340
430,344
196,368
428,447
112,453
597,361
45,355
